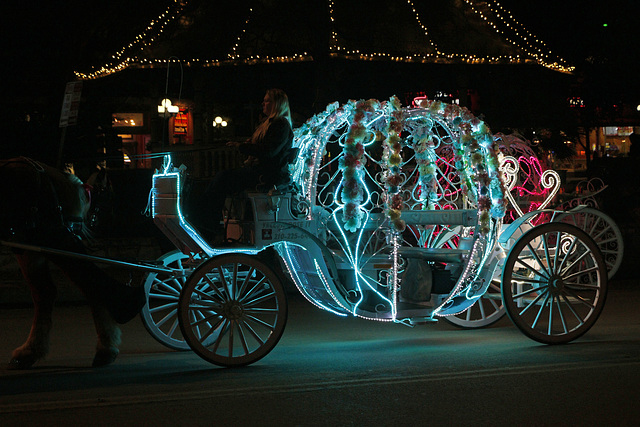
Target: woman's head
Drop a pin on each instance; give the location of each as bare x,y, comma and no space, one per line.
276,104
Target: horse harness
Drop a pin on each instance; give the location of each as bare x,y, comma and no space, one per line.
45,210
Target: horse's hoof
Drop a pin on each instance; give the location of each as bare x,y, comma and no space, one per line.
104,357
18,363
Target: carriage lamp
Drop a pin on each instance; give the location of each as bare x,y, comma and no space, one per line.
166,107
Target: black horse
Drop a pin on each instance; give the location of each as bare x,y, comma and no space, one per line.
42,206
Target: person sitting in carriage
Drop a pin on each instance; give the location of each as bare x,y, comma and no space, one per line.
268,151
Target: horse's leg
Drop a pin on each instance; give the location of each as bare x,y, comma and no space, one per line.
103,294
108,336
43,292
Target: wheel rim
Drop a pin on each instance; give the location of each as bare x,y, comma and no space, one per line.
160,314
554,283
232,310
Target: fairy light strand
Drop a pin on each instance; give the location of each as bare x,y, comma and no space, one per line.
494,15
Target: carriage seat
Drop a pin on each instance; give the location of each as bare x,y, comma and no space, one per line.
240,208
280,180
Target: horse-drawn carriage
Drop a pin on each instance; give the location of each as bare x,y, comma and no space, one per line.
391,214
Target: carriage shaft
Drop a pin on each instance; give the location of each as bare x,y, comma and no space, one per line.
52,251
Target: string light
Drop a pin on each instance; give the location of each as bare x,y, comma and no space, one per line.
531,48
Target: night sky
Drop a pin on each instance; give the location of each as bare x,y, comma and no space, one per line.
46,41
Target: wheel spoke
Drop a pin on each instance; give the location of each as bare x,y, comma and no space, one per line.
243,340
261,322
532,303
550,325
525,279
204,319
223,287
258,310
544,303
574,262
468,314
530,268
547,256
583,300
234,281
163,307
540,263
582,287
555,258
254,289
157,284
529,291
222,331
231,335
214,287
245,282
170,315
173,328
567,254
154,296
594,227
568,304
259,299
481,307
253,333
581,272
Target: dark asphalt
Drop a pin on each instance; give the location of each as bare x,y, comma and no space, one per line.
328,370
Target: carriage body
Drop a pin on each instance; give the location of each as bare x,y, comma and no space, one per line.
394,214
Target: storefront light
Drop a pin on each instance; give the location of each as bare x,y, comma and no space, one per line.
166,107
219,122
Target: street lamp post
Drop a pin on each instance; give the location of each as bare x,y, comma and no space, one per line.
218,125
166,110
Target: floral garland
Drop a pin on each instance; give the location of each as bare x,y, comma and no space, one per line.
392,163
352,165
427,181
476,160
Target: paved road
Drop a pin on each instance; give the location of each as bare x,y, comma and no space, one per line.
334,371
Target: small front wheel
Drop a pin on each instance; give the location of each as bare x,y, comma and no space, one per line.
232,310
554,283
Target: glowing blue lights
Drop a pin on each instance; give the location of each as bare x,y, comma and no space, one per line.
167,214
365,169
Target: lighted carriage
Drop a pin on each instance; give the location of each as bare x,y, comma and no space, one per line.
393,214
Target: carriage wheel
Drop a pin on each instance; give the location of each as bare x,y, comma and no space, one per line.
485,312
160,314
554,283
233,310
603,230
489,308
